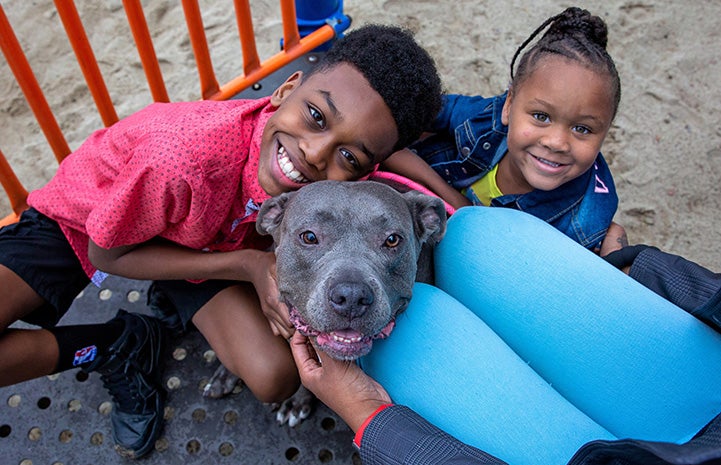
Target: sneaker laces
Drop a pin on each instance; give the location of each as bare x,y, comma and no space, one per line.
131,389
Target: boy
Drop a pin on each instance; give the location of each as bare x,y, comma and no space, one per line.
170,194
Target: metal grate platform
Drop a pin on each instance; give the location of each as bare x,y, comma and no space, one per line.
63,419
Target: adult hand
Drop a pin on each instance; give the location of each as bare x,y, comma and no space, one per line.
615,239
616,251
341,385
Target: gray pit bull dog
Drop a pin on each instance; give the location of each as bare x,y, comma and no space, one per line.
347,255
346,258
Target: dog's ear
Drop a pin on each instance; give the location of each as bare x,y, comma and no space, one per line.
271,213
429,216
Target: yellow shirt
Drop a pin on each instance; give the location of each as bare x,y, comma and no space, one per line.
485,189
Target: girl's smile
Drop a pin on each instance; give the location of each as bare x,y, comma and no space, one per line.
557,120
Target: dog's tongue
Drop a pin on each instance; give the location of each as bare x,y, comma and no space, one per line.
349,344
386,331
346,335
344,344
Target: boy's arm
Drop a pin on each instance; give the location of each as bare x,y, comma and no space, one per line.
410,165
158,259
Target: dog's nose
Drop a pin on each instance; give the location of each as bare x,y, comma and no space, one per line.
351,299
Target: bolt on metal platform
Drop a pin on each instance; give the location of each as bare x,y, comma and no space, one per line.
64,419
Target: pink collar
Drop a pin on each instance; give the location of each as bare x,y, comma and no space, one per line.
403,184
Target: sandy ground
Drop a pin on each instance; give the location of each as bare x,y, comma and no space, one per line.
664,148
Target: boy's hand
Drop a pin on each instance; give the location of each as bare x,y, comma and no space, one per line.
266,285
341,385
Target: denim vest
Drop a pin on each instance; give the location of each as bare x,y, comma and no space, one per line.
469,140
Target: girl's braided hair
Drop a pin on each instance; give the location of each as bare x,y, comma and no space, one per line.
575,34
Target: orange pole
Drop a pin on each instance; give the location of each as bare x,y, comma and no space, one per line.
144,43
31,89
274,63
208,82
86,59
15,191
243,17
291,36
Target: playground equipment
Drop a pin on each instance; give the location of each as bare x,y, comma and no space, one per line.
314,26
64,418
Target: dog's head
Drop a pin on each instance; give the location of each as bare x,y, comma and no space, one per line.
347,257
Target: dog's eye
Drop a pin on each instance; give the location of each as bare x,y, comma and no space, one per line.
393,241
308,237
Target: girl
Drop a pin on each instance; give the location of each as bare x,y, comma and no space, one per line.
536,147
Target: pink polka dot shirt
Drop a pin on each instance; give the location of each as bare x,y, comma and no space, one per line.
186,172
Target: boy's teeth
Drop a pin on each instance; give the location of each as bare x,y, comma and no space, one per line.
286,166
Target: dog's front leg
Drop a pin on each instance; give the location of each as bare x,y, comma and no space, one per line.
296,408
221,384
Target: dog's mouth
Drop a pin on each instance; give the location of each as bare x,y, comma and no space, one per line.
341,344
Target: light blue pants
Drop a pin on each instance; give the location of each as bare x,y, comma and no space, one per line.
530,346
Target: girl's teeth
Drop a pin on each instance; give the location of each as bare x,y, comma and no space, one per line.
549,163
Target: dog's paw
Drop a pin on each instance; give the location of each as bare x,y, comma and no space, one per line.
222,383
295,409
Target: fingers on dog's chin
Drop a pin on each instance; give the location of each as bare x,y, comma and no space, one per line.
314,354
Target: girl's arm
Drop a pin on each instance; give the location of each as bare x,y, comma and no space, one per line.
410,165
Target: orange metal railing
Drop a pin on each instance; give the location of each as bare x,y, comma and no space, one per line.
254,69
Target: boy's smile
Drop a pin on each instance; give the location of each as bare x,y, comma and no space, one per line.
557,120
330,125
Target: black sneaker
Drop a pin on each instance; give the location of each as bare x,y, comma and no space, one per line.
164,310
131,373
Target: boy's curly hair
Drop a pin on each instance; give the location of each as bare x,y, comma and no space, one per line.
398,68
